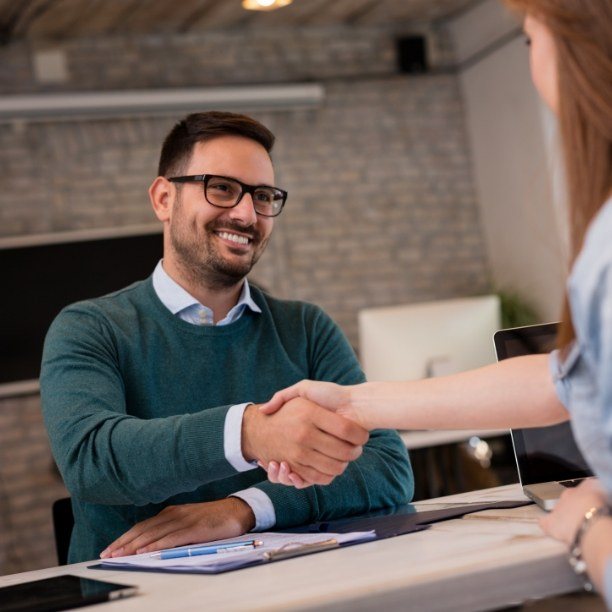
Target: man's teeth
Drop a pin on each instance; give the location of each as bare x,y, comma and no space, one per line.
234,237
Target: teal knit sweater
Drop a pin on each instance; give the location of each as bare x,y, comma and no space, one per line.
134,400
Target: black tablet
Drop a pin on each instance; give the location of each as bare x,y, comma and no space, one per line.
60,593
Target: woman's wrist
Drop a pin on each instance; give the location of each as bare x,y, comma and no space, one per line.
597,549
588,551
357,398
374,405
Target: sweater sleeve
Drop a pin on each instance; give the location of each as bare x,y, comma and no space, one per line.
381,477
105,455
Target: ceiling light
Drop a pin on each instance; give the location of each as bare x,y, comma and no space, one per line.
264,5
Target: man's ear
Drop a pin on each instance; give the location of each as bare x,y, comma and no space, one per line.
161,194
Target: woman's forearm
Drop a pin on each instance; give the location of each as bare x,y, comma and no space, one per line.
516,392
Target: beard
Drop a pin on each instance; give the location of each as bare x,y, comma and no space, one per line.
200,258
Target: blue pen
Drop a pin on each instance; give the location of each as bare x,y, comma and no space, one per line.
178,553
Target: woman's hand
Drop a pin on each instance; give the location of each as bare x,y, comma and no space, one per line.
328,395
563,522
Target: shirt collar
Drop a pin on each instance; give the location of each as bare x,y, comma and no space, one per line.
176,299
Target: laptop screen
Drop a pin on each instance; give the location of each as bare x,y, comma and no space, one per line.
543,454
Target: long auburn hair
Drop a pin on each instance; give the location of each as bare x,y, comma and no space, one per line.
582,33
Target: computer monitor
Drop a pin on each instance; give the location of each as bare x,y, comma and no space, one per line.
413,341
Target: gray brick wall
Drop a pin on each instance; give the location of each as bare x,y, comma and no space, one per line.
381,208
221,57
28,487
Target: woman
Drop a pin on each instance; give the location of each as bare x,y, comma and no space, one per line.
571,65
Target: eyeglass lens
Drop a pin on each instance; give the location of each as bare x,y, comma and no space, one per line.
225,192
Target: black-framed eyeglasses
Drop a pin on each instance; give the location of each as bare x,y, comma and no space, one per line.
226,192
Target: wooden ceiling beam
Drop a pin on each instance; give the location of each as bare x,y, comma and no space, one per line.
24,16
119,20
199,14
66,19
360,13
9,15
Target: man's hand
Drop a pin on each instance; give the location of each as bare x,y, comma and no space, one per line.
563,522
280,473
185,524
316,443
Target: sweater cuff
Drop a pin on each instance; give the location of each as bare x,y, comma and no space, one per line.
292,506
203,450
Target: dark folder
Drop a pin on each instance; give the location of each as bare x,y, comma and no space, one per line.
405,519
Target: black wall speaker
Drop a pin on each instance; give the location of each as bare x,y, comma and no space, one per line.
411,54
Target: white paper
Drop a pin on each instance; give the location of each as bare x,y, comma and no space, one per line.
272,541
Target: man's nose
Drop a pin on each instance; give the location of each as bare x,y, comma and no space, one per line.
244,210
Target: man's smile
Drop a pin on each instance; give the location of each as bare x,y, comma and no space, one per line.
236,239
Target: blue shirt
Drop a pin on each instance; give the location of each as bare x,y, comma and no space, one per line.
182,304
584,379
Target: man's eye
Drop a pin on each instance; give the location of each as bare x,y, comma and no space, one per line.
220,187
527,40
263,197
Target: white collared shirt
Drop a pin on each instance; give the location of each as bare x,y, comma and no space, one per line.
183,305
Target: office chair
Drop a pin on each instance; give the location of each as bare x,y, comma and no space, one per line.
63,522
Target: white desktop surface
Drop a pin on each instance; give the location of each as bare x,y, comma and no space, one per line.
481,561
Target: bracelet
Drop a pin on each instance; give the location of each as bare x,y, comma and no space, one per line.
575,552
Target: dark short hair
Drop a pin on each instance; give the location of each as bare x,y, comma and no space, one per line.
201,127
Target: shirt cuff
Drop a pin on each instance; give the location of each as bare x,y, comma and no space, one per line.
556,371
261,505
607,586
561,368
232,439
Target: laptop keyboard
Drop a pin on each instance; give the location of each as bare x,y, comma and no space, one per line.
571,483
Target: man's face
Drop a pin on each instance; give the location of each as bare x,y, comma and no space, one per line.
219,246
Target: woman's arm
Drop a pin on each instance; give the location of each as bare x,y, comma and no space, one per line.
516,392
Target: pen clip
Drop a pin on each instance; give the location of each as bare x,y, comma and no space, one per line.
297,549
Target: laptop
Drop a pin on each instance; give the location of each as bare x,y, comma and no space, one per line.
547,458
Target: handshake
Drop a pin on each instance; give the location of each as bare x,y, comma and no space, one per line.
306,434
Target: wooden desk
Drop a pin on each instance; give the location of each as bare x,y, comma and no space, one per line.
482,561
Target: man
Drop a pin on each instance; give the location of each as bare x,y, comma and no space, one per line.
147,392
